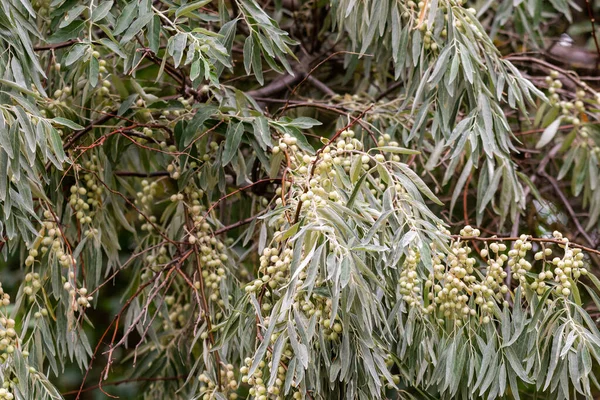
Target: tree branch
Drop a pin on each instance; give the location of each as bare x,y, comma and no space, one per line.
276,86
71,141
56,46
568,207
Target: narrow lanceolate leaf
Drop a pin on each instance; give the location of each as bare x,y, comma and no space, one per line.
75,53
136,27
72,15
125,18
232,141
548,134
177,47
67,33
305,122
57,145
248,51
3,181
189,8
191,131
102,10
67,122
395,150
94,69
419,183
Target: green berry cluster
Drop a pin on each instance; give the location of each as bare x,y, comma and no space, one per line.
42,6
213,257
567,269
274,268
79,297
260,389
410,284
4,297
9,339
435,36
574,112
50,239
458,289
451,281
179,314
32,284
6,394
145,200
229,384
87,198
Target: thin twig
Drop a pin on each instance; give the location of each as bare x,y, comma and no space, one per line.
321,86
142,174
56,45
237,224
592,22
117,318
71,140
568,207
281,111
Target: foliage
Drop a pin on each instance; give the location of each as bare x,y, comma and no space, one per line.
247,243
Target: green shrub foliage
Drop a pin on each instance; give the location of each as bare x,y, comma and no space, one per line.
296,200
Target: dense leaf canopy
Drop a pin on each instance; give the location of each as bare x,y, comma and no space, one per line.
332,199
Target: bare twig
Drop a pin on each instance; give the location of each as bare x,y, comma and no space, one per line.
56,45
321,86
568,207
117,318
142,174
237,224
276,86
73,138
592,22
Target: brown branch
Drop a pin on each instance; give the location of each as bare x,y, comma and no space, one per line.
3,241
131,204
142,174
540,130
143,312
212,207
118,317
56,46
389,90
307,75
206,308
321,86
592,22
236,225
570,75
561,128
568,207
73,138
276,86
